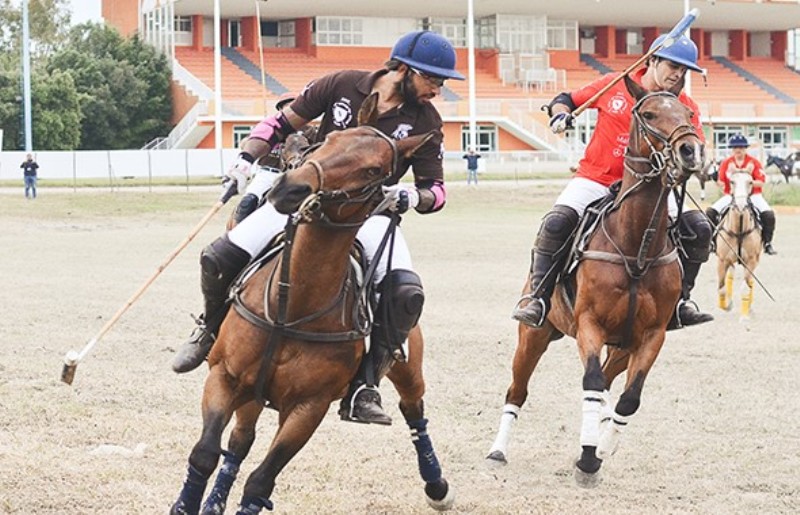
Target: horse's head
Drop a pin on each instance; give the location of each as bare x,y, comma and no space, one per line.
741,187
343,177
662,133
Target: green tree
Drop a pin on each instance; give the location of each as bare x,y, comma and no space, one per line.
49,22
57,124
123,87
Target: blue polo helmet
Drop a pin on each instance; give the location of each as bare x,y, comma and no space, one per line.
428,52
682,51
738,141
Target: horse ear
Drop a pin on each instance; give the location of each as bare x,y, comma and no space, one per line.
407,146
634,89
368,114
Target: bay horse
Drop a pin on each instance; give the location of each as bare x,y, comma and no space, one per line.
306,346
626,286
738,243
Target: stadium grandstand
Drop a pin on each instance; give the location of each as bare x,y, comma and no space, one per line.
525,52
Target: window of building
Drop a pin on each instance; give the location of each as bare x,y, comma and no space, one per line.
339,31
486,136
772,136
240,132
183,24
562,35
454,29
723,132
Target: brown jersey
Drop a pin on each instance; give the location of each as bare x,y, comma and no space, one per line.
338,97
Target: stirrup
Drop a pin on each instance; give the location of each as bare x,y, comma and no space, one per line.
691,305
521,314
348,407
769,249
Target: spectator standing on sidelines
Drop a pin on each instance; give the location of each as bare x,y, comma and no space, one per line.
472,166
30,167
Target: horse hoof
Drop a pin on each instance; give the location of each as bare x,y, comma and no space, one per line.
496,458
439,495
586,479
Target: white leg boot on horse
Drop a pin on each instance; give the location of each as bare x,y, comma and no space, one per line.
695,234
220,263
550,250
398,310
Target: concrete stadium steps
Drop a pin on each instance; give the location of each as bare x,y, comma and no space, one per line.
236,82
774,72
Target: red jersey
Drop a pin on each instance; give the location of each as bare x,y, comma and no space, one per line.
602,161
750,164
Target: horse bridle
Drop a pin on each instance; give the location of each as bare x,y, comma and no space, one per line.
659,160
311,208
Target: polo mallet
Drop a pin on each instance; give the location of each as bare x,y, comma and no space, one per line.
673,35
72,358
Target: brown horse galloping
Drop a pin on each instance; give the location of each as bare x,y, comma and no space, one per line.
626,287
308,358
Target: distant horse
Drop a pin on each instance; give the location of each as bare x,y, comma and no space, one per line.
626,287
738,243
710,172
784,165
296,337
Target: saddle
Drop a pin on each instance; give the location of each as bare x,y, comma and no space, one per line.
355,282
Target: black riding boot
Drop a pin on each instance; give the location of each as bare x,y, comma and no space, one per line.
695,232
547,258
767,231
220,263
713,217
398,311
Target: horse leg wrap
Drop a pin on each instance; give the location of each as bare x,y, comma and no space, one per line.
510,414
429,467
609,440
590,425
218,498
253,505
192,493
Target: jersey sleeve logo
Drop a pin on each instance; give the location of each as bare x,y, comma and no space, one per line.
402,130
618,103
342,113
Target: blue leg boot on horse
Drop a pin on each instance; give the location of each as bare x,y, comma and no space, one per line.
398,310
547,259
694,232
220,263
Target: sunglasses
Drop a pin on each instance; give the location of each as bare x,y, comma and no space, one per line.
435,81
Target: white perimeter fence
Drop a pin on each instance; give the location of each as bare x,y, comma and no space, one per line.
118,165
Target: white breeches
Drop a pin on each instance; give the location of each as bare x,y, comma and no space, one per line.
580,192
757,199
261,182
255,232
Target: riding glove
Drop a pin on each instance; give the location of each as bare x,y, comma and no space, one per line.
239,172
560,122
399,199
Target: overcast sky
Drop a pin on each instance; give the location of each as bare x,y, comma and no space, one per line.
84,10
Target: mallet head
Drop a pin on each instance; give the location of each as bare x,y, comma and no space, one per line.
70,365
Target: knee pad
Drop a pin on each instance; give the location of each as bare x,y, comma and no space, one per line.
695,231
556,229
247,205
222,259
405,299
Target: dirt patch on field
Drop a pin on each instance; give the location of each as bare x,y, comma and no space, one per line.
716,432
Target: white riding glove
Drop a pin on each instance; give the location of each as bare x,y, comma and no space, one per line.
560,122
399,198
239,172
